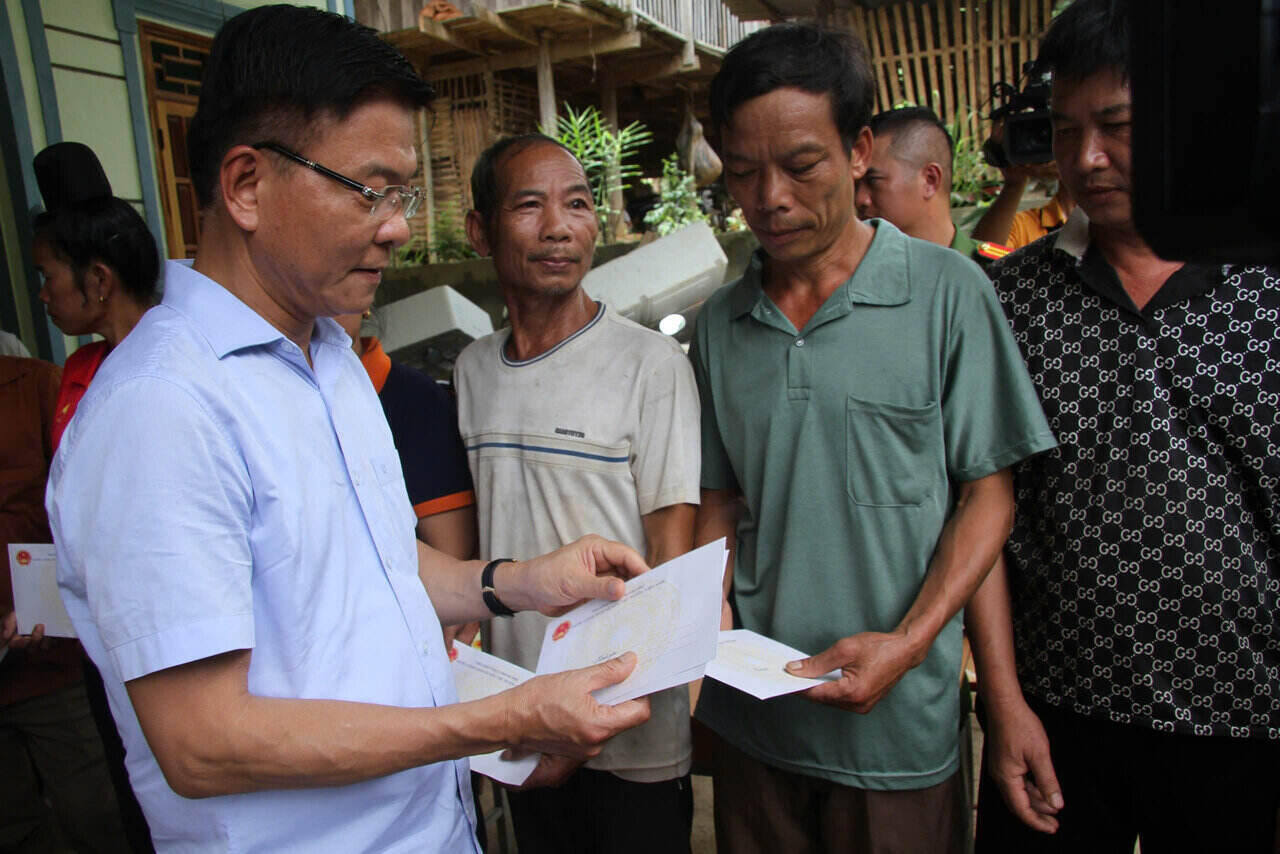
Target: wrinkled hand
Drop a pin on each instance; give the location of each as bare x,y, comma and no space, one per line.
872,663
463,634
589,568
1018,760
9,636
556,714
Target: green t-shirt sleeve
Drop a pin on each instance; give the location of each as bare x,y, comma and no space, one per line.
717,472
990,411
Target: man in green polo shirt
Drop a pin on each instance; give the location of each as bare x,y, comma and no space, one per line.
908,181
862,401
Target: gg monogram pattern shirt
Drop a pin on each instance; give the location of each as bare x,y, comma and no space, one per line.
1145,558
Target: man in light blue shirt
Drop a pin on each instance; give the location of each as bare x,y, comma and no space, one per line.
236,546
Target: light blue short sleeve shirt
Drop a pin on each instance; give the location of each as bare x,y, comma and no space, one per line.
215,492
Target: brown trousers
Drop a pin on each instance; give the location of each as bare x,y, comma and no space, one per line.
760,809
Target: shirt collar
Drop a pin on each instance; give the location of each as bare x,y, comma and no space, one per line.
1190,281
376,362
881,277
1073,237
1052,215
964,244
223,319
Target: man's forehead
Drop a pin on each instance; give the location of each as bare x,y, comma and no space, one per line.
1106,90
882,147
525,166
376,138
796,113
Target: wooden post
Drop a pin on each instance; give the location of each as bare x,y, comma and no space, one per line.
908,79
609,108
428,182
686,26
924,90
546,86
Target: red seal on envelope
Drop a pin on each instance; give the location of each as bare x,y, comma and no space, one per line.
561,631
453,654
24,558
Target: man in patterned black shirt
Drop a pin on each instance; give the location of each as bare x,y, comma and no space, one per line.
1144,565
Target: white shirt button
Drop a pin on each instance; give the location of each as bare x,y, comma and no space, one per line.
799,342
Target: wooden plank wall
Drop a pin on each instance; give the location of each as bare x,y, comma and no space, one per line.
467,115
387,16
946,54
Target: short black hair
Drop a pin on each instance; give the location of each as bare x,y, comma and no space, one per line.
1087,38
918,135
805,56
906,120
484,175
108,230
274,70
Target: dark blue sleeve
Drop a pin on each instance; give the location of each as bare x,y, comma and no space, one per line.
424,423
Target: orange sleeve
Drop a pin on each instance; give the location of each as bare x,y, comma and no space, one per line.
445,503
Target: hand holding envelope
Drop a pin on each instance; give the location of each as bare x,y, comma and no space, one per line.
666,623
33,569
669,617
544,705
756,664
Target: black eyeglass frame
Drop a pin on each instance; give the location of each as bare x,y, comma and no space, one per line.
369,193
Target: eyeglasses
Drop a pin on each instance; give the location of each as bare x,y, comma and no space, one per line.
383,204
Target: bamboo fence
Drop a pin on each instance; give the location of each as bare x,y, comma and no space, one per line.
946,54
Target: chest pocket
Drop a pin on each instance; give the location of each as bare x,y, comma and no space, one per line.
890,457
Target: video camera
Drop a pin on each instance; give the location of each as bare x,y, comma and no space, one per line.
1028,132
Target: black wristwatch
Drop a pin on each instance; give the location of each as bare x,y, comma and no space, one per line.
490,595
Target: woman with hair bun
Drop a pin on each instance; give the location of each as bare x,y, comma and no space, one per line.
98,260
100,266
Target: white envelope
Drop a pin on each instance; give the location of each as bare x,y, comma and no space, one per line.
34,570
478,675
669,617
756,664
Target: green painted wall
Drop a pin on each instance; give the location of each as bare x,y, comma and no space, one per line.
318,4
83,16
94,54
30,92
88,76
95,110
28,314
13,258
